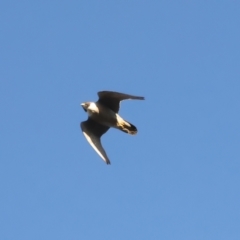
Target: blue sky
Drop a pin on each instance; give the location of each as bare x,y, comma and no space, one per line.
178,178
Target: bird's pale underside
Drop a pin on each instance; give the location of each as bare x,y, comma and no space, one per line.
102,115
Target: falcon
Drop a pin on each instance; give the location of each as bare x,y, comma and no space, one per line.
103,115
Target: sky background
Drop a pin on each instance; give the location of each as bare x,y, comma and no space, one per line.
178,178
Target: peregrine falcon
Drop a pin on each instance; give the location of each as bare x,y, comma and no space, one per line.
102,115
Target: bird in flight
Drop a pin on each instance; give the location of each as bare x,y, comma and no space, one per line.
102,115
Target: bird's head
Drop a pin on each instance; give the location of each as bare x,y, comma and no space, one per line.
85,106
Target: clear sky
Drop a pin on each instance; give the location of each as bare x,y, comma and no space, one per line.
178,178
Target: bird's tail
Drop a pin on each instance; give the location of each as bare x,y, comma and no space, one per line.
127,127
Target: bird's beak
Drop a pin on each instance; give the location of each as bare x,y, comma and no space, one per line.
84,106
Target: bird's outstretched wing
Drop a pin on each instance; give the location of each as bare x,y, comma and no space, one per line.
112,99
93,132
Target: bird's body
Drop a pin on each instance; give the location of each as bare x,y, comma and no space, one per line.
102,115
105,116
